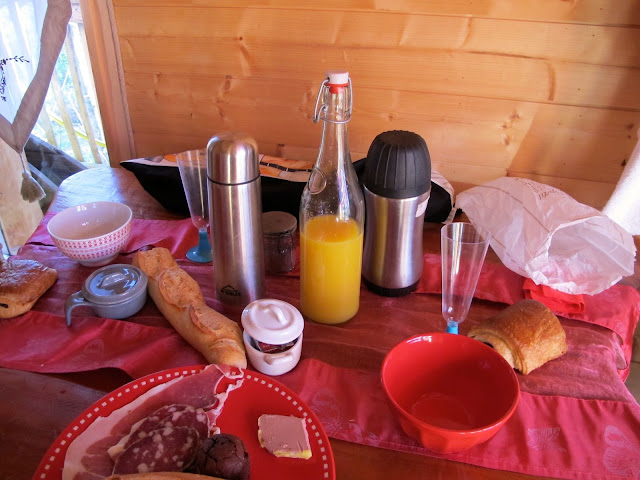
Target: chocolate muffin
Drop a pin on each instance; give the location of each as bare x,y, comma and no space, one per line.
223,456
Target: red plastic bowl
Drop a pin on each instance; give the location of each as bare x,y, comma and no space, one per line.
451,392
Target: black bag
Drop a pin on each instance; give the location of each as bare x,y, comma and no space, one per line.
164,184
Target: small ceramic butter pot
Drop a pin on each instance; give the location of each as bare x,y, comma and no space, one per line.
272,335
115,291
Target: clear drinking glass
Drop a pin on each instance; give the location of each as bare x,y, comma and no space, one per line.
193,172
464,247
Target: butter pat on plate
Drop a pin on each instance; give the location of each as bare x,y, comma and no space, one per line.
284,436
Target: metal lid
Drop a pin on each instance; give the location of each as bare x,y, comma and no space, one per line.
398,165
232,158
278,223
272,321
115,283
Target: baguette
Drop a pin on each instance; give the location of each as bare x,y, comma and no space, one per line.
22,283
179,298
527,334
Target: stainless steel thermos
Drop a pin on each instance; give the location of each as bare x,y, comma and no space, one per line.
235,214
397,186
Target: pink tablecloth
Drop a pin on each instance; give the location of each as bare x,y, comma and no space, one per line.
576,419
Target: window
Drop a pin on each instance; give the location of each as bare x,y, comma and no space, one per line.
70,118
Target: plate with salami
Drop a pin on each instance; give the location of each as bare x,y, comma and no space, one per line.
234,400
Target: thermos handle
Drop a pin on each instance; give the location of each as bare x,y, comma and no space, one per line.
72,302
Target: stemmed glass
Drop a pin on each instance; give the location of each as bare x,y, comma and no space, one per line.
193,172
464,247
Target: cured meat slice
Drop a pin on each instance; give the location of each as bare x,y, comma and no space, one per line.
87,455
152,421
191,418
164,450
180,416
143,427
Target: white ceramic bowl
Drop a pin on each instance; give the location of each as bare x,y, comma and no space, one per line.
92,233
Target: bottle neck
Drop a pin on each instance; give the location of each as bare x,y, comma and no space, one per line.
335,114
334,146
333,187
335,104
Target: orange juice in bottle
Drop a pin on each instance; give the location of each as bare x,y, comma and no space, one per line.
332,214
331,258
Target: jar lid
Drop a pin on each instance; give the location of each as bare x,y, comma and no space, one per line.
272,321
114,284
278,223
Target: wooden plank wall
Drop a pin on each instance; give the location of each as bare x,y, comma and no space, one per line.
544,89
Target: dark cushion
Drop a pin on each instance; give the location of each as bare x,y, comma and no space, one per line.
163,183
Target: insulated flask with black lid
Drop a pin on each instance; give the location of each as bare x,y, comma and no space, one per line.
235,213
397,185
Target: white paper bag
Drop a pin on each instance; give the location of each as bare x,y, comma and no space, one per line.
542,233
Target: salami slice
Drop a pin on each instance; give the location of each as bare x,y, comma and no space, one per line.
170,416
165,450
142,428
190,417
152,421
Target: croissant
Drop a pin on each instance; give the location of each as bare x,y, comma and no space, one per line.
179,298
22,283
527,334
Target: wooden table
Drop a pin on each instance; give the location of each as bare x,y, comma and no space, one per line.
35,408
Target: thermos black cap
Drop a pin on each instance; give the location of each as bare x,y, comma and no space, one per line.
398,165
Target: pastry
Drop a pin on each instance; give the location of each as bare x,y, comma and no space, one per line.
223,455
22,283
179,298
527,334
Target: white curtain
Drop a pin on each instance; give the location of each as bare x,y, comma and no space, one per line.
31,35
19,50
624,204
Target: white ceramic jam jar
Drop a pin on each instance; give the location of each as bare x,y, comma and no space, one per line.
115,291
272,335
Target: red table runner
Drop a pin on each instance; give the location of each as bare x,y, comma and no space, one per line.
576,419
552,436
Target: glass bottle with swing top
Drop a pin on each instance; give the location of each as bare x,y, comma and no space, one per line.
332,214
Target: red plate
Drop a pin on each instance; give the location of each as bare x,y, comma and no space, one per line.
258,394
